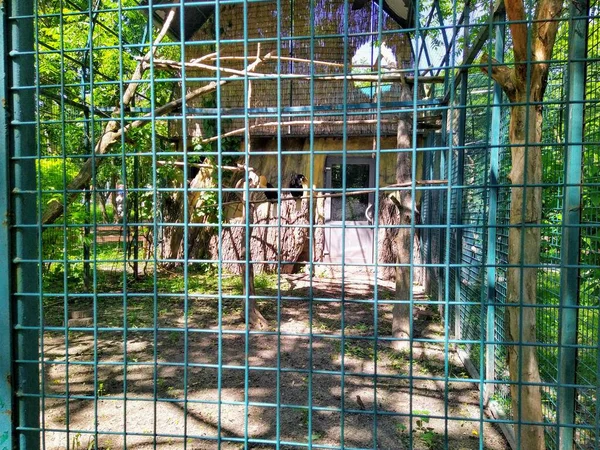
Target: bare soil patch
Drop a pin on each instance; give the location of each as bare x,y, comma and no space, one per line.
167,376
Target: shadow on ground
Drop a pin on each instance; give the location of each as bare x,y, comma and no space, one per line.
156,374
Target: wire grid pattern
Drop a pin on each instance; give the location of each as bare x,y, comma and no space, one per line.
295,24
471,316
588,328
161,341
501,391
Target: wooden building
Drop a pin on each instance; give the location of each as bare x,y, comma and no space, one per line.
300,114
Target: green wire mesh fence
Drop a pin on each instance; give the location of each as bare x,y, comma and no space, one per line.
292,224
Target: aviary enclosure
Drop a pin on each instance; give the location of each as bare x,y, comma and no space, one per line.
281,224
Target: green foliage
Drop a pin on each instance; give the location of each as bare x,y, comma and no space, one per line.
52,175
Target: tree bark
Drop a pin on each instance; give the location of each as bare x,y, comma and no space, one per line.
401,312
102,205
172,246
268,241
524,248
255,319
525,135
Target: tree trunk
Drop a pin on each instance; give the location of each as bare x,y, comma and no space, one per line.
255,318
171,246
524,248
401,312
532,43
268,241
102,204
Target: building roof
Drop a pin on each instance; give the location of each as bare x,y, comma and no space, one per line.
197,12
314,96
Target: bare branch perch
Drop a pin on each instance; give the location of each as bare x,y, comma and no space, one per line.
238,168
391,75
292,123
348,194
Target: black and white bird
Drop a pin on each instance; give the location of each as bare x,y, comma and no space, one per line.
272,196
298,183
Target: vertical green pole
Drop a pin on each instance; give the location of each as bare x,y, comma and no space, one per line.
88,194
6,394
136,214
460,163
569,275
495,125
21,145
443,257
86,232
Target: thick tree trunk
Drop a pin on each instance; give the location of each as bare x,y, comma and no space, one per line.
268,241
401,312
524,248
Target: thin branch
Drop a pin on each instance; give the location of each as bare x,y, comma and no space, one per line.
319,196
112,134
292,123
238,168
291,59
167,108
392,75
139,70
308,61
209,56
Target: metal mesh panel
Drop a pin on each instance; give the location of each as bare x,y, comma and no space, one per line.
286,224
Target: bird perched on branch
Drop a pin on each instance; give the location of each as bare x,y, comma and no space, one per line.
264,184
298,183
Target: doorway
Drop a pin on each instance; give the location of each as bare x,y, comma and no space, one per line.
349,232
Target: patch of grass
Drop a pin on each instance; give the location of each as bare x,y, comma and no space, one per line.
140,310
76,442
398,360
402,432
324,323
361,328
431,367
355,349
317,435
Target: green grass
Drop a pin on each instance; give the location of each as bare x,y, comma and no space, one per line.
141,308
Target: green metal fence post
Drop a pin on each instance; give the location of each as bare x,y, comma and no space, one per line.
443,258
6,395
23,249
460,164
569,276
136,214
500,29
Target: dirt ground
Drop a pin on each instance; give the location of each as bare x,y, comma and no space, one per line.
376,386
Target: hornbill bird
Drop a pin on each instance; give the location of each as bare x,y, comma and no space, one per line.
271,195
298,183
